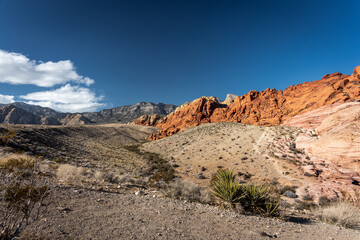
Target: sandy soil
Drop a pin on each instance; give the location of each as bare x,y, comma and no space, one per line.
83,214
244,148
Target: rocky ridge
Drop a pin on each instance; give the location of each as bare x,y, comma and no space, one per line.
22,113
266,108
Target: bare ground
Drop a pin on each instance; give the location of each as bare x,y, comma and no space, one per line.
83,214
93,196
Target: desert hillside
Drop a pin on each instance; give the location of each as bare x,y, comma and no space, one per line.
106,181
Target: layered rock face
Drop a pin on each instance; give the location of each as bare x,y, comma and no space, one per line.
266,108
338,130
333,145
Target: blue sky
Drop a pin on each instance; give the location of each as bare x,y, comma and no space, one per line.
86,55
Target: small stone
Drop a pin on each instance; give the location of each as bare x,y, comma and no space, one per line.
290,194
138,193
201,176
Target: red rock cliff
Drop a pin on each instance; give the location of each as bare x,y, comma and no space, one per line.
269,107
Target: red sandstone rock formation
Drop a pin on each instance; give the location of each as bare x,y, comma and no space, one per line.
269,107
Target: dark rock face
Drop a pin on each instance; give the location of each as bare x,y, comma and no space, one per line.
129,113
22,113
13,115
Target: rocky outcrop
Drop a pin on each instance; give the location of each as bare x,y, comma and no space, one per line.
229,99
147,120
266,108
75,120
192,114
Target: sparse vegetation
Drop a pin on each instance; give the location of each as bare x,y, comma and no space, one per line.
6,135
253,198
189,191
341,213
225,188
260,199
159,169
22,196
295,150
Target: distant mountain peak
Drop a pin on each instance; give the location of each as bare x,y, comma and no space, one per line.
23,113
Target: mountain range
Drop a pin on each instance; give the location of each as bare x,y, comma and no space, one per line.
22,113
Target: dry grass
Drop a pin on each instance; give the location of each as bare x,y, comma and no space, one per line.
70,174
341,213
77,176
185,190
4,159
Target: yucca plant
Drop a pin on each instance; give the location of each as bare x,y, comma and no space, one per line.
272,207
225,188
257,199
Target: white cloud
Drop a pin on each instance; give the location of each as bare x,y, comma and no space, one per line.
66,99
16,68
6,99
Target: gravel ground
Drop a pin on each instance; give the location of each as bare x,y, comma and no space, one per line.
85,214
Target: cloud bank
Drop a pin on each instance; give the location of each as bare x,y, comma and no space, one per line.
17,69
66,99
6,99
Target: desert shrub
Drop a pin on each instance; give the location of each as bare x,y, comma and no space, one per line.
301,205
253,198
225,188
159,168
260,199
22,195
185,190
341,213
324,201
70,174
6,136
307,197
295,150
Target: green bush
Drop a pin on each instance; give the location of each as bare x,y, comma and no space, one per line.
225,188
253,198
259,199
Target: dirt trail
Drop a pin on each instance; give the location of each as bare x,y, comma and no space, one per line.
264,138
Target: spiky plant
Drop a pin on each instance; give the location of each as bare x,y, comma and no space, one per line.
257,199
225,188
